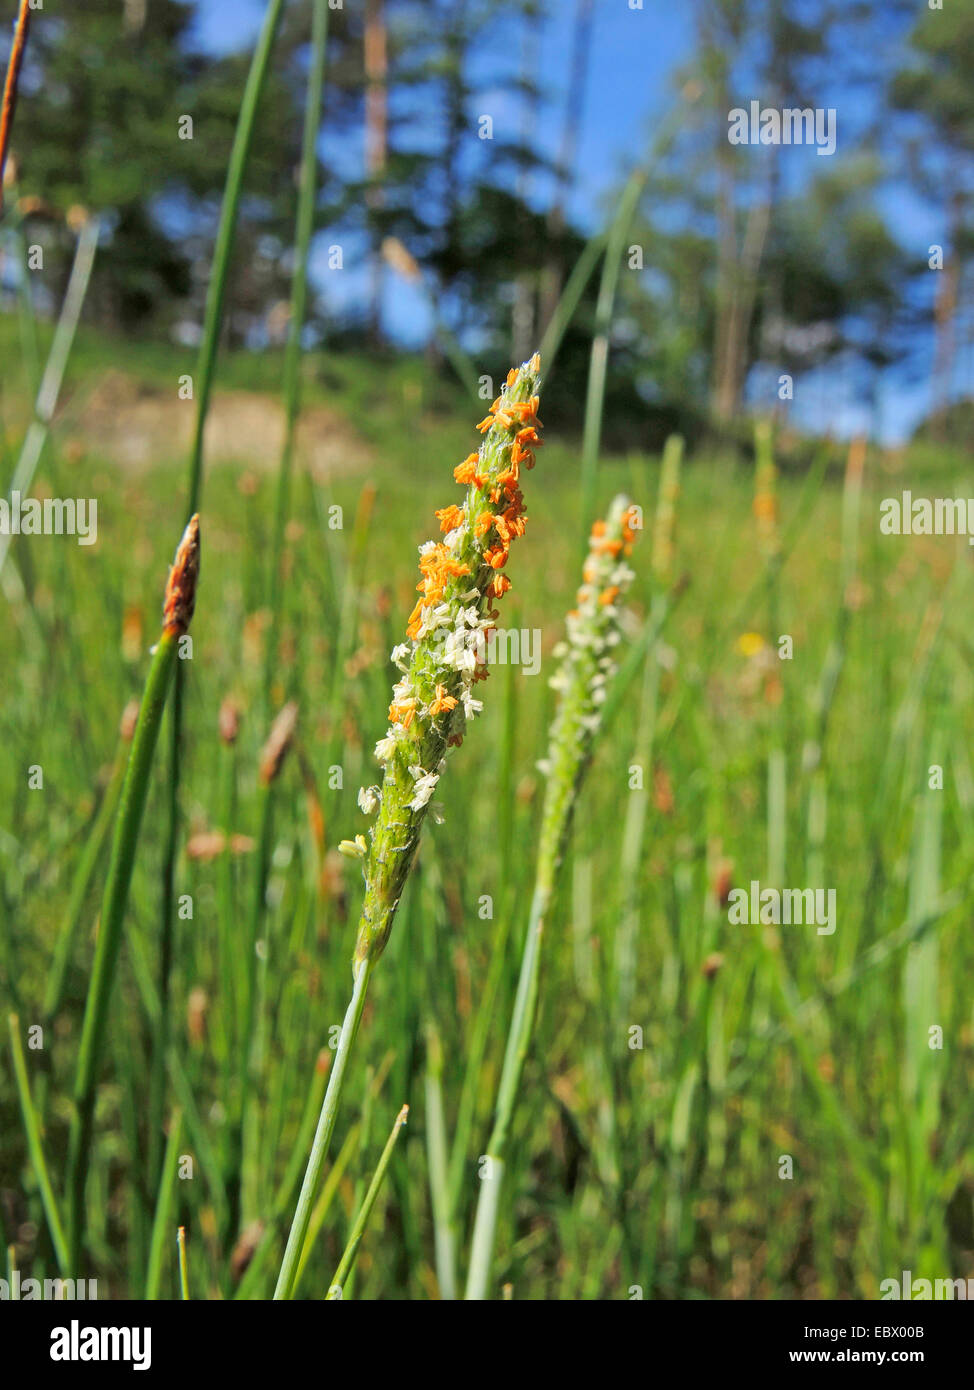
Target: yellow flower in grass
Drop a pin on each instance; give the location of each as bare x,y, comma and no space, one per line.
750,644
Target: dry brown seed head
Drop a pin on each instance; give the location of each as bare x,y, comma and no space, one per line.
207,845
711,965
278,742
183,576
723,881
196,1008
229,720
243,1251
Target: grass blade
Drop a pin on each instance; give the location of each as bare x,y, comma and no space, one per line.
180,600
365,1211
164,1202
35,1148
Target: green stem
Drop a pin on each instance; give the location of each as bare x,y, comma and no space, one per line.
79,889
213,318
164,1200
365,1211
183,1264
131,808
299,295
247,1051
444,1226
604,307
160,1039
518,1041
226,928
226,231
323,1133
599,359
329,1189
57,361
36,1149
568,302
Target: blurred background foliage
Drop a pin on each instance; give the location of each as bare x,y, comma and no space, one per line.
752,262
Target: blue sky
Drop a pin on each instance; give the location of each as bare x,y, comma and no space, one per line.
633,60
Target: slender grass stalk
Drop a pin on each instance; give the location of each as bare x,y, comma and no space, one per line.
299,294
87,865
479,1035
35,1148
212,323
432,705
515,1055
615,241
26,318
347,619
599,358
399,258
568,301
365,1137
183,1264
9,103
164,1202
273,754
881,953
178,611
323,1133
825,692
810,493
284,1197
54,368
292,1174
766,510
444,1229
813,753
401,261
229,725
634,828
365,1211
922,1072
589,661
329,1190
225,236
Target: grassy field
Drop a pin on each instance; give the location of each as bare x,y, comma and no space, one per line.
678,1059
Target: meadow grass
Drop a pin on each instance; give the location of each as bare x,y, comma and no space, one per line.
652,1166
683,1107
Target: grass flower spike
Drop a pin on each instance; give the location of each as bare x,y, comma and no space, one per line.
445,657
588,661
441,663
